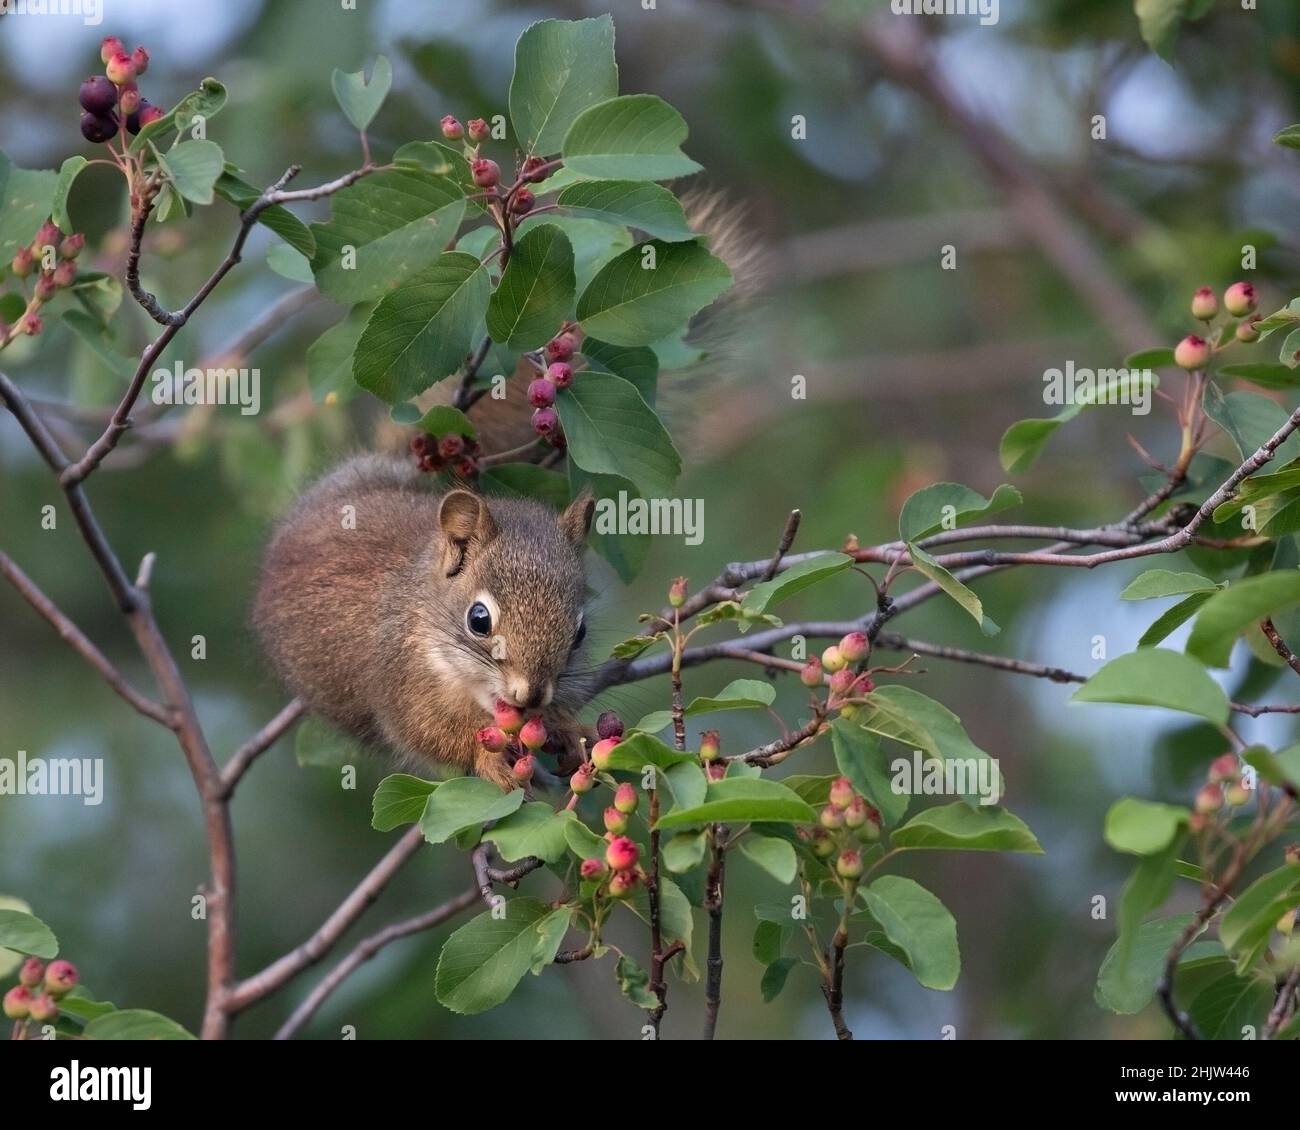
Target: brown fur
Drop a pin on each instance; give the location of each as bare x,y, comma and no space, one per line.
366,626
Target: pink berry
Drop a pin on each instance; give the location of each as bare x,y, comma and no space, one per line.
615,821
1240,299
1192,352
32,972
842,793
583,781
545,421
140,60
1209,799
451,446
128,102
560,347
43,1009
831,818
533,169
18,1002
507,716
625,798
452,130
811,676
622,884
602,751
849,865
522,770
560,374
622,854
1248,330
833,660
60,977
109,46
541,393
486,173
119,69
533,733
677,592
478,130
521,203
1205,304
492,739
855,647
593,869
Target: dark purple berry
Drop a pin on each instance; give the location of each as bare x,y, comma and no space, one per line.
95,128
98,95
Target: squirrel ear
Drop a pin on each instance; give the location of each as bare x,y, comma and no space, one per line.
575,522
464,517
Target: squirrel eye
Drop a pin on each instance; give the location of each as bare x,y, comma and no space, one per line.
581,634
478,619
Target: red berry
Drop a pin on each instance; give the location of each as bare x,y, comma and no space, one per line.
677,592
541,393
109,46
609,725
451,445
831,817
492,739
1205,304
545,421
1192,352
30,324
65,274
855,647
625,798
60,977
857,812
622,884
710,746
24,262
140,60
71,247
146,115
533,169
486,173
583,781
97,95
466,468
560,347
522,770
615,821
507,716
1209,799
1248,330
1225,767
1240,299
430,464
478,130
43,1009
622,854
521,203
32,972
593,869
533,733
18,1002
560,374
452,130
842,793
97,129
602,751
120,69
811,676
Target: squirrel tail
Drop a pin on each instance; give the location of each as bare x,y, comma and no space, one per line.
716,333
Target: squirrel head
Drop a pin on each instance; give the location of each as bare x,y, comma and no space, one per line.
506,593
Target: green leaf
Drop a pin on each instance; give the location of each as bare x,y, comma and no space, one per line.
1249,418
1173,618
524,480
536,291
551,931
535,829
945,506
194,167
740,799
635,983
636,137
206,103
396,222
1143,827
594,243
920,925
1147,887
360,100
636,751
420,333
649,291
562,67
740,694
1289,137
62,189
134,1024
399,799
636,364
773,855
648,207
1159,358
930,568
28,197
1158,677
685,851
329,357
582,841
964,827
483,961
1159,21
1237,608
78,1003
1286,318
276,218
1024,441
1225,1008
612,431
465,802
91,332
633,647
1245,927
1131,989
861,758
793,580
774,978
769,939
1163,582
27,934
1266,374
688,784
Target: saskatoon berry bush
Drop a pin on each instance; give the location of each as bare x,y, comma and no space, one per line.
754,829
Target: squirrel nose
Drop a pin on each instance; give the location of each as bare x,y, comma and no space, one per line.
528,695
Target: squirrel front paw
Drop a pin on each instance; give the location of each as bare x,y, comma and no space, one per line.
495,767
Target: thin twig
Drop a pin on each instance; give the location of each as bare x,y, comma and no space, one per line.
258,744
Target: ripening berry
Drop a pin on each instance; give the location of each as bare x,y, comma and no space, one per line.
65,274
541,393
856,812
18,1002
492,739
710,746
823,846
609,725
602,751
466,467
593,870
615,821
855,647
140,60
419,444
811,676
47,235
507,716
452,130
833,660
1240,299
622,853
521,203
32,972
583,780
97,95
451,446
677,592
1236,794
1209,799
30,324
560,347
1248,330
560,374
533,734
831,818
522,769
430,463
109,46
71,246
146,115
869,832
545,421
120,69
1192,352
533,169
1205,304
842,793
486,173
97,129
478,130
128,101
60,977
849,865
1225,767
625,798
43,1009
622,884
23,262
842,682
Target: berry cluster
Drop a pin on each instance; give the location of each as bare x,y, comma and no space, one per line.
1239,300
1224,786
113,99
518,739
452,452
554,372
39,988
838,666
846,821
51,258
619,873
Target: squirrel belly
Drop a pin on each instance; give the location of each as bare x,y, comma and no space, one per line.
401,614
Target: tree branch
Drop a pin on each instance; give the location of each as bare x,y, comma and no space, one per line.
258,744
